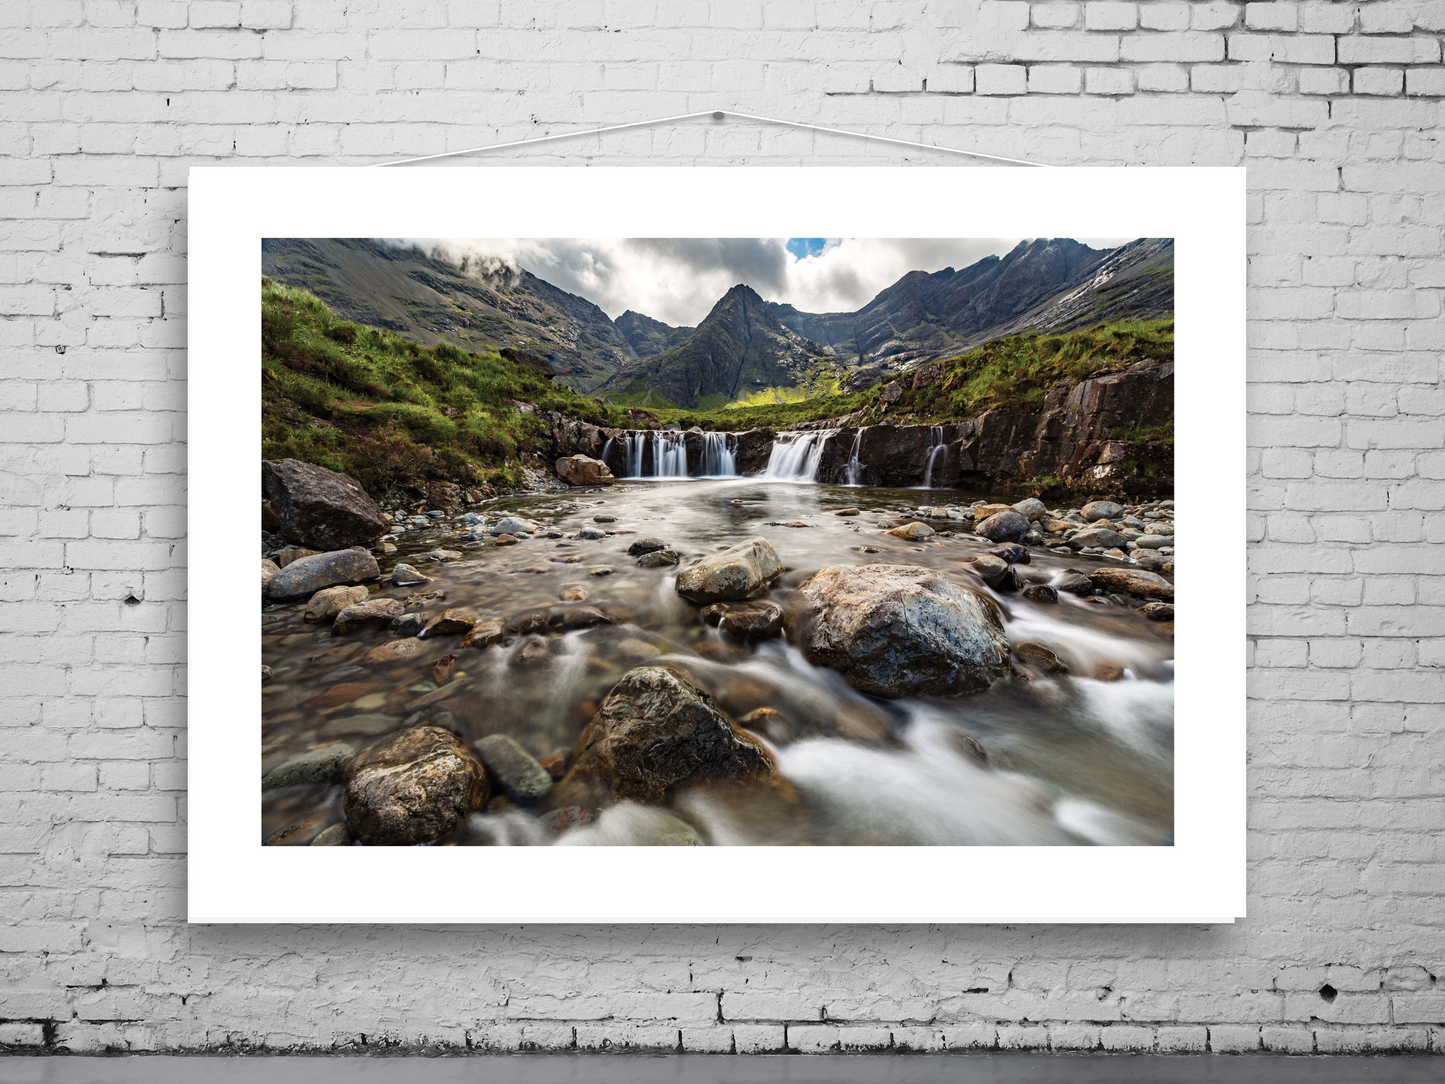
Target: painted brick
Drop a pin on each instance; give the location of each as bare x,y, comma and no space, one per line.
114,101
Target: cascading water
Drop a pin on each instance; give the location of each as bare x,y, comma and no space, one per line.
853,471
719,455
939,448
669,455
636,444
798,459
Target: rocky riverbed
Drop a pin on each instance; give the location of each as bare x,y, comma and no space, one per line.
740,661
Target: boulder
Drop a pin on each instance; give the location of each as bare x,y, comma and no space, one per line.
1075,583
913,532
1005,526
320,508
404,575
981,512
1040,658
989,567
894,630
1097,536
591,534
335,836
1040,592
750,622
515,525
450,623
659,559
584,617
317,766
1153,541
581,470
733,574
269,568
1102,510
1031,508
484,634
657,729
375,611
1013,553
514,770
408,624
1132,581
330,601
413,787
1157,611
645,545
303,578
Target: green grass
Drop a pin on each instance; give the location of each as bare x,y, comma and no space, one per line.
388,411
1013,374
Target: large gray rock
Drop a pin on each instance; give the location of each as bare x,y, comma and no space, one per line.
413,787
657,729
1098,536
733,574
269,568
581,470
320,508
1031,508
1102,510
894,630
1005,526
515,525
304,576
316,766
515,770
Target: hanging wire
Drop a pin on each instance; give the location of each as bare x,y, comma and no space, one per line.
716,114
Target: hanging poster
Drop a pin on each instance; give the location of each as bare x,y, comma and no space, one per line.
717,544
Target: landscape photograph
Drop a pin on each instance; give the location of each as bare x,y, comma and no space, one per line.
717,541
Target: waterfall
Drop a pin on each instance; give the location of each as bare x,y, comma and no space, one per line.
797,460
719,455
636,443
669,455
606,448
938,446
853,472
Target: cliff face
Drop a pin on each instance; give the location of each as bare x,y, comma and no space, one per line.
1103,436
1090,438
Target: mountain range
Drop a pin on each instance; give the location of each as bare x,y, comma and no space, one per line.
746,344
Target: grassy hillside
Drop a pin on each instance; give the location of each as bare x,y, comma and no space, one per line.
386,410
1008,374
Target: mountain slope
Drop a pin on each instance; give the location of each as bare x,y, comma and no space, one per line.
740,347
431,300
649,337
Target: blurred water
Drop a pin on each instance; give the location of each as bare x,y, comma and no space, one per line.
1071,760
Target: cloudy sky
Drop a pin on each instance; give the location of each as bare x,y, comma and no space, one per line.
678,280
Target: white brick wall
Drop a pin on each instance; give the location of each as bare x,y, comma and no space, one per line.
1337,109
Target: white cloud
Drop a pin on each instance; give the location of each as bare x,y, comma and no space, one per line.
678,280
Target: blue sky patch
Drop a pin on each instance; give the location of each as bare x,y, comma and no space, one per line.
806,246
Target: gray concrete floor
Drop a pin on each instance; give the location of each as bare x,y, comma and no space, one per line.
703,1069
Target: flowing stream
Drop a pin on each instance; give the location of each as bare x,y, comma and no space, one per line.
1080,759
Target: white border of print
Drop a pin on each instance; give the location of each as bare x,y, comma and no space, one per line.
1201,878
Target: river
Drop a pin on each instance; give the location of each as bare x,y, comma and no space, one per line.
1069,760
